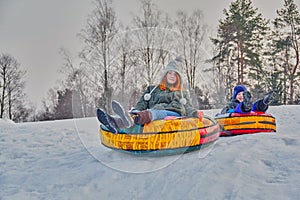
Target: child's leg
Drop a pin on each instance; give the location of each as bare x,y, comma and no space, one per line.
161,114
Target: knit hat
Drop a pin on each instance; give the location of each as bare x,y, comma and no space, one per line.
174,65
237,89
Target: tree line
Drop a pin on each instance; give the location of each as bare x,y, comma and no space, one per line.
257,52
118,62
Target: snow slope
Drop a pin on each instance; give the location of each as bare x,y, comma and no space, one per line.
65,160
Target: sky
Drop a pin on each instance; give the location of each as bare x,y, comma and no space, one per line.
33,31
56,160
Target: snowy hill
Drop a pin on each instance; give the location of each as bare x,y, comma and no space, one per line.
65,160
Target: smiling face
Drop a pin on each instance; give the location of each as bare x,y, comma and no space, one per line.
240,97
171,77
171,80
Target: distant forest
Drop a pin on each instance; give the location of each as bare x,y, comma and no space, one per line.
119,62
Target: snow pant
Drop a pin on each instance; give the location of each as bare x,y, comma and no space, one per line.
156,115
161,114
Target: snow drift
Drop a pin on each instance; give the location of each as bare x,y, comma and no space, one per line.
65,160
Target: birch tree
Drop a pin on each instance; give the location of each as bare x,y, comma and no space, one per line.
78,83
98,36
152,42
192,31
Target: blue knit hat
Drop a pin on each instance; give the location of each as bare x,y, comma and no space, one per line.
237,89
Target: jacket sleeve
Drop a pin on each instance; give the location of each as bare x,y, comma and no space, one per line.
225,109
229,108
190,110
142,104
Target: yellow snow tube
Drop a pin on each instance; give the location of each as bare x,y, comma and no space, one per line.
165,136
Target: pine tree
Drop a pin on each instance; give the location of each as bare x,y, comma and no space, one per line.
63,108
287,29
239,43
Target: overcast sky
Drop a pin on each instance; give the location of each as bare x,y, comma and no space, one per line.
33,30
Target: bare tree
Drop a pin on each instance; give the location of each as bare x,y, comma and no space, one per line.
97,37
11,85
75,81
192,32
123,63
48,106
153,47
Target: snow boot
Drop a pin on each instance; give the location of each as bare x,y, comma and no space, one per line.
269,98
143,117
247,103
106,120
124,116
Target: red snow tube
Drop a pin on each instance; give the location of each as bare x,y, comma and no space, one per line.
253,122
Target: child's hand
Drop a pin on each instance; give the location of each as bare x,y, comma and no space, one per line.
200,114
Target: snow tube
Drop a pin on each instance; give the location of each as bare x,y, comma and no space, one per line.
253,122
165,137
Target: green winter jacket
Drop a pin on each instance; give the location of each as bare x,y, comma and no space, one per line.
166,100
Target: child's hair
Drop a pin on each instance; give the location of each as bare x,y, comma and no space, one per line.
175,87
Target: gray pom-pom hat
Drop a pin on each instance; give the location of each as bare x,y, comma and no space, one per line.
174,65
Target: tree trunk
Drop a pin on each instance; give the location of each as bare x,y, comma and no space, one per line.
3,93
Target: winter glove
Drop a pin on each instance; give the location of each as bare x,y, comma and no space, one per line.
143,117
269,98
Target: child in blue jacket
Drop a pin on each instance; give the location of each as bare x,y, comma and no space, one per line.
241,101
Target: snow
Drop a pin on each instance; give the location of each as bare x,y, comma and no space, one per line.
65,160
6,121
